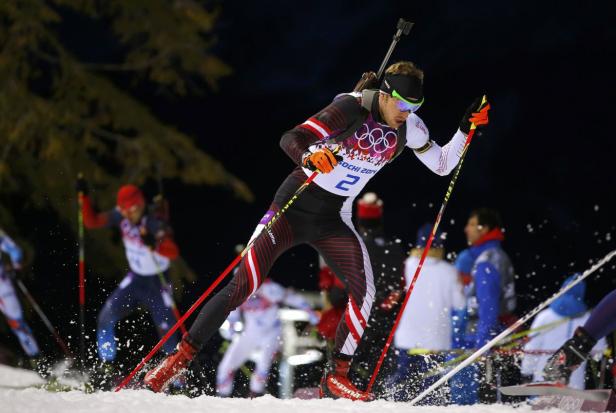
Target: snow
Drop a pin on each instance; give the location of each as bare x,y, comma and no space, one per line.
12,377
24,400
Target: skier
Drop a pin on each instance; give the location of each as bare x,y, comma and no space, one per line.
575,351
261,331
491,296
9,303
565,314
347,143
424,335
149,248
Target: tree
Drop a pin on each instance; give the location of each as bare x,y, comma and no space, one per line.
60,115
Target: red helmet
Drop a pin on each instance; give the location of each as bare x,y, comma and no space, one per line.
130,196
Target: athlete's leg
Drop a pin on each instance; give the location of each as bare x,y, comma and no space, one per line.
575,351
237,354
120,303
346,254
602,320
10,307
157,298
269,345
251,272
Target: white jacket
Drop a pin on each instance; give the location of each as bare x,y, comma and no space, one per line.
544,343
426,322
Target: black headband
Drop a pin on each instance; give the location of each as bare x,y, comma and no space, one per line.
409,87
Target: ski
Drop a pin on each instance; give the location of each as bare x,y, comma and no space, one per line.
552,389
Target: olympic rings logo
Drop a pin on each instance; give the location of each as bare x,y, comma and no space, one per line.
375,139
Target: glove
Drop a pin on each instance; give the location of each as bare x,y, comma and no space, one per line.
148,238
81,185
13,273
476,113
323,160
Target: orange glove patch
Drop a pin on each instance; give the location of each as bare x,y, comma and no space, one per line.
480,117
323,160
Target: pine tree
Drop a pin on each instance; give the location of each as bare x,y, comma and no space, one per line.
60,115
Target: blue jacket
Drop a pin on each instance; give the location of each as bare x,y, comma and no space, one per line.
493,294
8,246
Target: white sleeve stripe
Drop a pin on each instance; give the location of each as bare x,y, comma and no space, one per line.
314,126
253,272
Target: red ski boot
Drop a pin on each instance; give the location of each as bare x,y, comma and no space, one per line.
172,367
337,385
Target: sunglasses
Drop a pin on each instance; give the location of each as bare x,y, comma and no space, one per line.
405,105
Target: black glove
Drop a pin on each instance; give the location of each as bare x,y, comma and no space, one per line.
13,272
148,239
81,185
476,113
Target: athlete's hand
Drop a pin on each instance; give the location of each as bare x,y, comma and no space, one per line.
477,113
148,239
13,271
322,160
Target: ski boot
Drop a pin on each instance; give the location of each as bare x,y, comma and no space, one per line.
569,357
335,383
172,367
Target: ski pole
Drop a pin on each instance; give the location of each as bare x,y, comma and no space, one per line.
163,283
512,328
218,280
506,345
403,27
44,318
369,79
163,210
82,278
439,216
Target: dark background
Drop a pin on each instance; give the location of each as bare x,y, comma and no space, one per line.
545,161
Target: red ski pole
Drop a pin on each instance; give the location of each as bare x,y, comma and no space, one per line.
214,284
425,253
82,278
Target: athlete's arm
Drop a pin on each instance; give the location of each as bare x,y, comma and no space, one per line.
440,160
93,219
293,299
163,238
487,291
336,117
8,246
